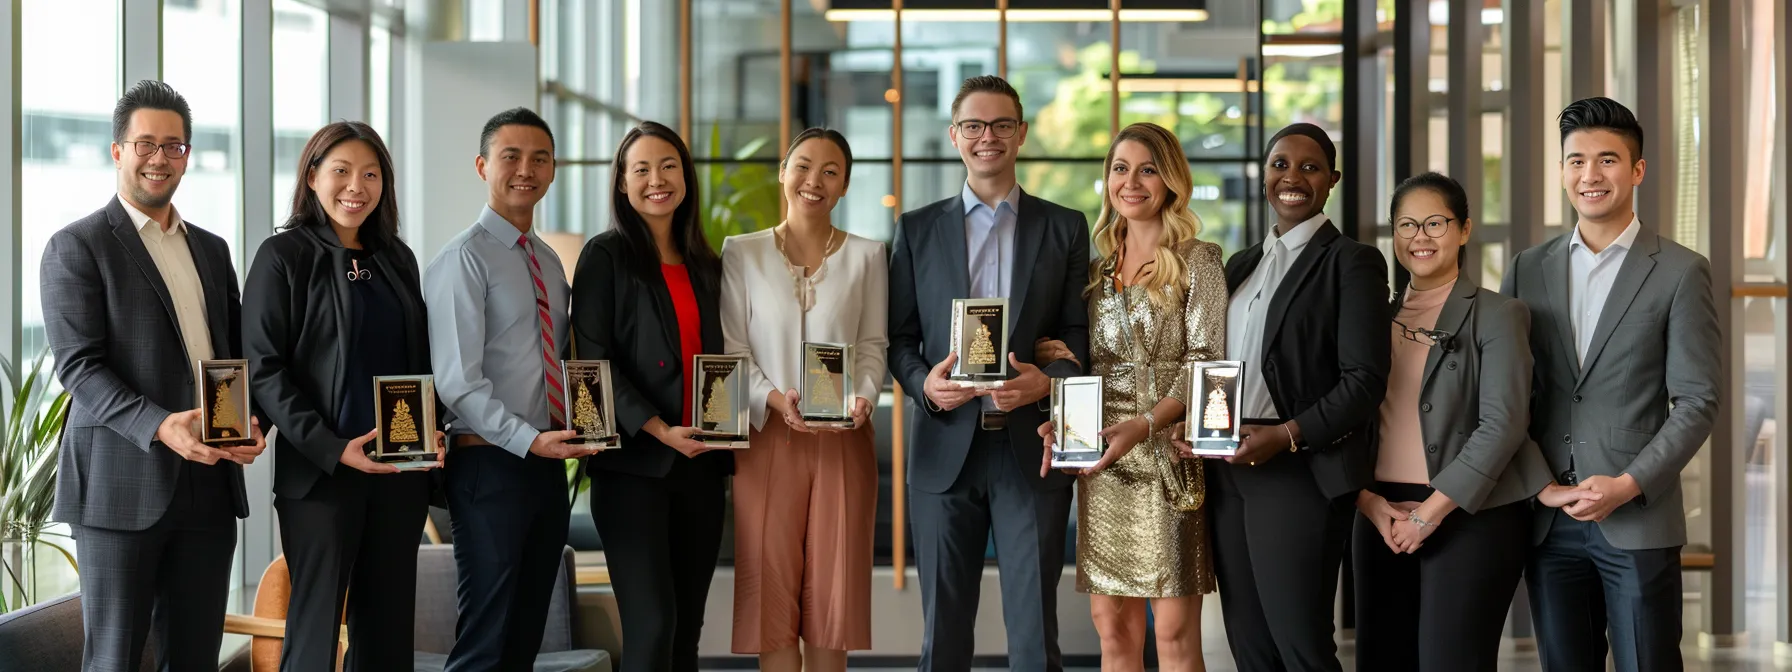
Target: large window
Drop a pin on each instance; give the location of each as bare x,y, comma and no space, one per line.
301,97
206,71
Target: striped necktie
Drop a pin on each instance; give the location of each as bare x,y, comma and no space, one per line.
551,363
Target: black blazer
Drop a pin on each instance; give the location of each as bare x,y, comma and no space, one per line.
619,316
1326,350
297,334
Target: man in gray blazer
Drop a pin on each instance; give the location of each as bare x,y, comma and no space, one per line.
974,455
1625,334
132,297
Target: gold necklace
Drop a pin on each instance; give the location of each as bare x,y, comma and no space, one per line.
804,286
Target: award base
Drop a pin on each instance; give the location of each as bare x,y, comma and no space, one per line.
1213,448
721,442
979,383
606,443
414,465
1081,459
827,423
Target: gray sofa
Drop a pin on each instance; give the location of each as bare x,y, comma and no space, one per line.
46,637
436,614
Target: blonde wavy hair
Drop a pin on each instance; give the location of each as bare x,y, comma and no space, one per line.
1167,280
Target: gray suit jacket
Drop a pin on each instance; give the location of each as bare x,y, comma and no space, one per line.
1646,397
928,269
1474,398
118,352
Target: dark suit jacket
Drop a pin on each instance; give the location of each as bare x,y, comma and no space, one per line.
1474,401
297,333
1325,352
619,316
1645,398
118,350
928,269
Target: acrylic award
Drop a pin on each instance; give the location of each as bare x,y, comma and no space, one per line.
1211,424
719,400
980,339
825,399
1076,422
592,403
404,413
223,402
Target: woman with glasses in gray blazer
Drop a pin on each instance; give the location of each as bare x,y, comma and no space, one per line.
1444,530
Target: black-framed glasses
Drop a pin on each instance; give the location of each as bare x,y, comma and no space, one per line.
173,150
1433,227
974,128
1426,337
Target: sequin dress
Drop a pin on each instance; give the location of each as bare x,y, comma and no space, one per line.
1134,536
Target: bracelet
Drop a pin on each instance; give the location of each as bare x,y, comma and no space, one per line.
1416,520
1150,424
1285,430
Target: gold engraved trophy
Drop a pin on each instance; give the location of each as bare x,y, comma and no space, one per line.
719,400
1211,423
593,411
1076,422
404,412
980,337
223,402
826,394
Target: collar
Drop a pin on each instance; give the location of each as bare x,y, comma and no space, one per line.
1012,200
1298,236
142,221
1625,240
501,228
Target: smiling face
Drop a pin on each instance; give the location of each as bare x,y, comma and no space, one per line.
519,170
814,177
992,114
1600,174
1297,179
149,181
655,182
1135,188
349,183
1422,212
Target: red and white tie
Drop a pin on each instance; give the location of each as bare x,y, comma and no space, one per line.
551,362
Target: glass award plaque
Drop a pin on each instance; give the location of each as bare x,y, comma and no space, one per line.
404,412
223,402
1211,423
826,394
980,338
593,409
1076,421
719,400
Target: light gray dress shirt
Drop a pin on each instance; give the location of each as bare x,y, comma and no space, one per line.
1249,308
484,333
989,247
1590,278
174,260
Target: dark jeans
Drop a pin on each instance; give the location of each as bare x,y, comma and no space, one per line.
1584,590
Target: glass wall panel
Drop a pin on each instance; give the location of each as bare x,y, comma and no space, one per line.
379,81
734,94
207,71
301,35
1060,70
841,79
937,56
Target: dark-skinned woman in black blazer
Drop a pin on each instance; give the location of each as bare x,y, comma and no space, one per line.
1308,319
332,301
647,297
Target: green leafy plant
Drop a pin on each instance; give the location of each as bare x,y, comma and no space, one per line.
30,435
736,197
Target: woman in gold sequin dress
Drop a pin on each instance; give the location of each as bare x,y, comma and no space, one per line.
1157,300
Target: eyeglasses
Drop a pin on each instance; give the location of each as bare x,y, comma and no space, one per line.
973,128
1426,337
1433,227
173,150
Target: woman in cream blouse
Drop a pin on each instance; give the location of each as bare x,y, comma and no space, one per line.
805,500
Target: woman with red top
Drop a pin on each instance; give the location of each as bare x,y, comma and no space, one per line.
646,298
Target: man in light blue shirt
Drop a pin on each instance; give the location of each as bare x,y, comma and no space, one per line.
497,298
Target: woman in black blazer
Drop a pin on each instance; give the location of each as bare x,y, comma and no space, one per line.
647,297
1450,445
331,302
1307,318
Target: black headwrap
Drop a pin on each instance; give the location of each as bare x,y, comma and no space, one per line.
1317,134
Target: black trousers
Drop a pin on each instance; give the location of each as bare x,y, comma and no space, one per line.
1585,591
661,539
172,579
1278,543
353,535
1443,608
509,519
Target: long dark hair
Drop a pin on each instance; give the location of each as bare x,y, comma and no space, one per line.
687,228
307,210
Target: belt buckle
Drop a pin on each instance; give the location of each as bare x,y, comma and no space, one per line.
993,421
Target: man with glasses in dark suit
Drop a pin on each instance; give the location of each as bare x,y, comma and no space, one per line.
132,298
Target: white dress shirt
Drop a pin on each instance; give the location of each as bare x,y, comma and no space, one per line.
174,260
762,320
1249,308
1590,278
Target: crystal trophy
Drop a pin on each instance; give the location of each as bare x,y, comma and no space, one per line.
980,338
826,395
719,400
1076,422
223,402
1211,423
593,410
404,413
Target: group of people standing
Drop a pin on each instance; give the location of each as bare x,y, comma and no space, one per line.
1369,421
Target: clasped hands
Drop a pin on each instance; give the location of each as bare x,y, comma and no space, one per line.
1594,499
1394,521
786,406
